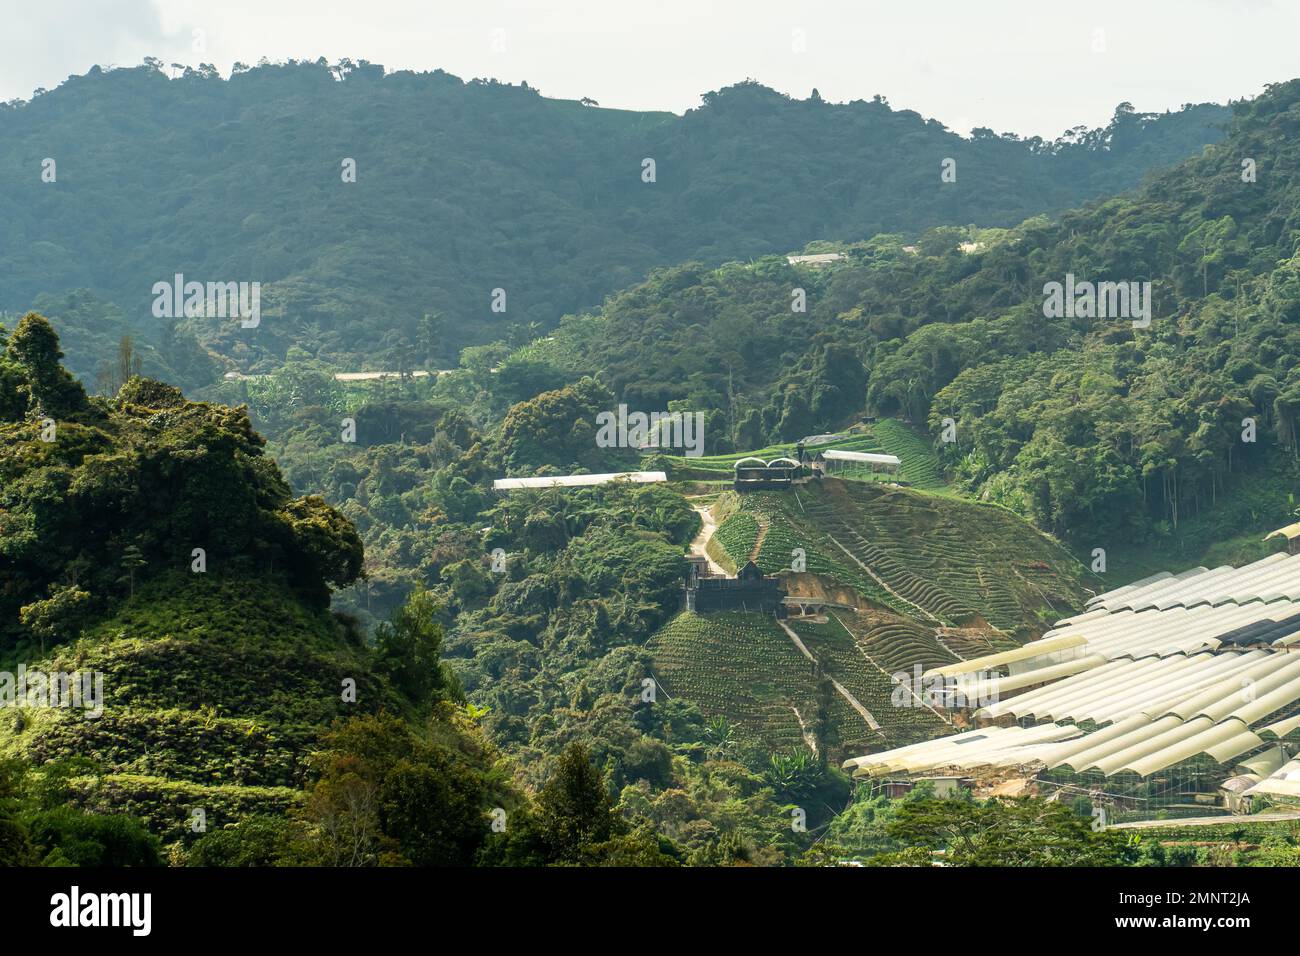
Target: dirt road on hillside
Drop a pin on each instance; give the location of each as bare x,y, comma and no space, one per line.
700,546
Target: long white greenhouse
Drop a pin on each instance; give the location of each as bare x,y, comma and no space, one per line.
1196,670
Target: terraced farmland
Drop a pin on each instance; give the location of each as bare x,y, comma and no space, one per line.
938,579
973,642
785,533
744,667
737,535
918,464
844,656
935,559
898,644
980,557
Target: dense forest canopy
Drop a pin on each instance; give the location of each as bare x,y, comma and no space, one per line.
462,188
1088,425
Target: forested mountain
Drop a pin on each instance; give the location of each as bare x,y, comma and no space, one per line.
1089,426
463,188
148,543
241,724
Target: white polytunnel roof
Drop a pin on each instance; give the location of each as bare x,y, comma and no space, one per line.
1153,713
985,688
1282,728
1027,652
838,454
577,481
1220,742
1152,674
1135,586
991,746
1283,782
1267,579
1122,688
1152,632
1265,764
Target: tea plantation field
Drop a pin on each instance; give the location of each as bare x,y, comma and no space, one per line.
935,559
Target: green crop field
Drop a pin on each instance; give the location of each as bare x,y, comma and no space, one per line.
843,656
900,645
919,466
934,559
745,668
737,535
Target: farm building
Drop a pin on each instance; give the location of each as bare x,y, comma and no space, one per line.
749,590
836,462
755,474
576,481
816,261
1292,535
1163,691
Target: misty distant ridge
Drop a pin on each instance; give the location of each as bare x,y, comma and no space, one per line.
360,206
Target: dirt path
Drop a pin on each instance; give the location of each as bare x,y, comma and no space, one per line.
808,738
843,691
758,541
700,546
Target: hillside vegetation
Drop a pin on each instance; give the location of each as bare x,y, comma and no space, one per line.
935,559
217,692
466,187
747,675
1109,434
156,560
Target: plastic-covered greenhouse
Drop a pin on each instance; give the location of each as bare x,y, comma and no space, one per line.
1156,695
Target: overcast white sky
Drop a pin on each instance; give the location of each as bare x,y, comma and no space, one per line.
1034,67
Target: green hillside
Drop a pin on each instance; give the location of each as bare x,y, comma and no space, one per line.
1105,433
465,187
216,692
935,559
744,668
935,579
152,558
865,667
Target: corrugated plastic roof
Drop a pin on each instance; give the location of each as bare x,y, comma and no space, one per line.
1165,677
577,481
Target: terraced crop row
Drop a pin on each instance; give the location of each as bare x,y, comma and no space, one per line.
741,666
844,660
737,535
937,560
916,589
969,644
789,528
900,645
918,463
983,559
